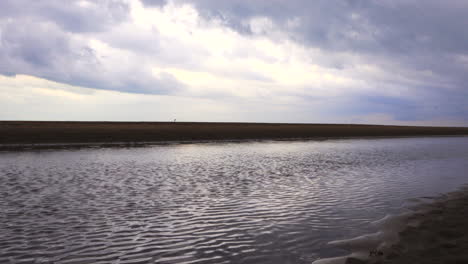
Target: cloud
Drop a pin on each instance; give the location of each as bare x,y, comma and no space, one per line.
418,36
42,47
417,50
154,2
332,59
71,15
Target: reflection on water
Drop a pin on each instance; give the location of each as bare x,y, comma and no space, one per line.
267,202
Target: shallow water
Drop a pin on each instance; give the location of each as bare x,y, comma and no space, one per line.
253,202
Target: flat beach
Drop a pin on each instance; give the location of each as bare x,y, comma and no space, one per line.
47,132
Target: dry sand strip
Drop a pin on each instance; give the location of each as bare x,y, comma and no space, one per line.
47,132
441,235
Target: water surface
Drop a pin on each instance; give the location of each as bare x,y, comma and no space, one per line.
253,202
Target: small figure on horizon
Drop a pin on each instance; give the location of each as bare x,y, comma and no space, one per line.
174,120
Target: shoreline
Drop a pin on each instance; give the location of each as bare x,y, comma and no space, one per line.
74,145
435,231
27,134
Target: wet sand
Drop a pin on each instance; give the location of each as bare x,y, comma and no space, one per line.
39,132
436,233
440,237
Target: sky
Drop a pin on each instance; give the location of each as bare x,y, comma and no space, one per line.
401,62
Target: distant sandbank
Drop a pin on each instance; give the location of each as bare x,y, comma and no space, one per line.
48,132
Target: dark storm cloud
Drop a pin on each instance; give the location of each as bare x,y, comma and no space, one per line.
394,28
72,15
42,38
357,24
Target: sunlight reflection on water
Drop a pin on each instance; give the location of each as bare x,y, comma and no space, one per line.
257,202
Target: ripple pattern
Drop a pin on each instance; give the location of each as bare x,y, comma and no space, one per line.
265,202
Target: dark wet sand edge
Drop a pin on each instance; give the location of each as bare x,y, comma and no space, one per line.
440,235
20,133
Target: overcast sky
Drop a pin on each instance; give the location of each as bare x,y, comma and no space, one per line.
328,61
